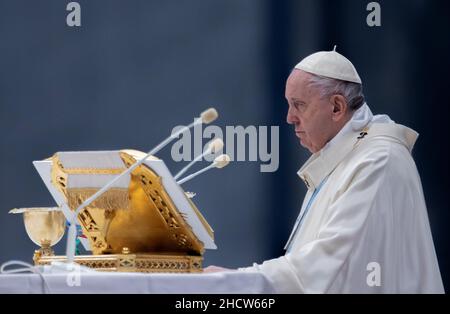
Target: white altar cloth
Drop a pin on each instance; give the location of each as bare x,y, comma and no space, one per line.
105,283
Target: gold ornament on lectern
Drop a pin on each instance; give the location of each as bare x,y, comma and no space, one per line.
135,228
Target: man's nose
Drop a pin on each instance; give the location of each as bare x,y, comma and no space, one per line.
291,118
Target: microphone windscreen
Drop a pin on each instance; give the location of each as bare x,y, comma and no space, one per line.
215,145
209,115
221,161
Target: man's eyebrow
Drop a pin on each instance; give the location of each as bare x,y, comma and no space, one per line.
296,100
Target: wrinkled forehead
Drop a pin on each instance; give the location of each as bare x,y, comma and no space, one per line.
297,84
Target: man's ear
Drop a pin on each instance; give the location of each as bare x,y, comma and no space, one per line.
340,107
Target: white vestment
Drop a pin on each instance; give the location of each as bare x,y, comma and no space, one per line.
367,229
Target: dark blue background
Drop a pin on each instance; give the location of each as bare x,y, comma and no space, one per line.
135,69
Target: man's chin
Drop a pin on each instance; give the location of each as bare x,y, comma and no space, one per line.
305,145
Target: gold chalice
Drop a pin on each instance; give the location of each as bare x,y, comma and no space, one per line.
44,225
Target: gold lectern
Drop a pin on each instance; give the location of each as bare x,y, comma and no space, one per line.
145,223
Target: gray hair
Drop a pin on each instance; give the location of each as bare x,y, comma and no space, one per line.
353,92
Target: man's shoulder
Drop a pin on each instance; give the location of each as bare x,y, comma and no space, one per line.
382,152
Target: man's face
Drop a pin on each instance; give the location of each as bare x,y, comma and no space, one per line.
311,115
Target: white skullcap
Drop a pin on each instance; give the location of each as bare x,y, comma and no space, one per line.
330,64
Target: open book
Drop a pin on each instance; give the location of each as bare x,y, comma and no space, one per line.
146,212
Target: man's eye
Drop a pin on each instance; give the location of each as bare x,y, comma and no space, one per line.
298,105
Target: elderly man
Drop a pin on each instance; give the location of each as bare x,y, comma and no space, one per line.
363,227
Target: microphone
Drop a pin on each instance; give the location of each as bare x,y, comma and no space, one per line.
209,115
213,147
220,162
206,117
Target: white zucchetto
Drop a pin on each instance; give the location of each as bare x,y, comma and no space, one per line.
330,64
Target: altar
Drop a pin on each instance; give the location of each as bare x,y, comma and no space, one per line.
233,282
140,231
